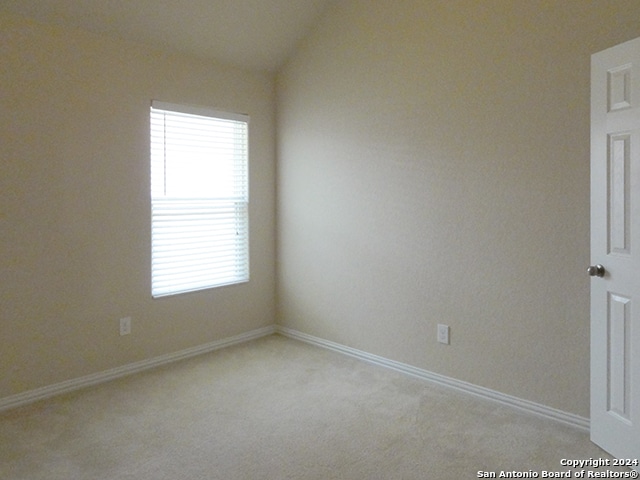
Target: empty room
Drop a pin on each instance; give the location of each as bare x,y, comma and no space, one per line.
319,239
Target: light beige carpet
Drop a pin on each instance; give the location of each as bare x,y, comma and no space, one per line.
276,408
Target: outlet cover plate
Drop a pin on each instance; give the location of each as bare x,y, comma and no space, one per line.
443,334
125,326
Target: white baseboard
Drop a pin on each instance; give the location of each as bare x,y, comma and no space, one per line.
31,396
576,421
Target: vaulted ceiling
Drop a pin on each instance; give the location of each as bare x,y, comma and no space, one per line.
253,34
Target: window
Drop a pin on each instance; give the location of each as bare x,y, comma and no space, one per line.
199,199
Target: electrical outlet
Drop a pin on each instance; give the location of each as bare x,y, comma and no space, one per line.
125,326
443,334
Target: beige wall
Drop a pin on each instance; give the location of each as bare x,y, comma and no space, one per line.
74,204
434,168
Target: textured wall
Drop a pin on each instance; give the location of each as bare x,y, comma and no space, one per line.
74,204
434,168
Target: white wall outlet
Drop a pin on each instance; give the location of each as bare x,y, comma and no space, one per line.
125,326
443,334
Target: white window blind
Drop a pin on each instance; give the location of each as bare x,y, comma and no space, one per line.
199,199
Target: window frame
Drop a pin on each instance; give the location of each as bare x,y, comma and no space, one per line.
226,261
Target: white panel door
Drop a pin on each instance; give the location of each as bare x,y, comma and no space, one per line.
615,245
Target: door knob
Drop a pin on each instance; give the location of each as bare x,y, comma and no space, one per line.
596,270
